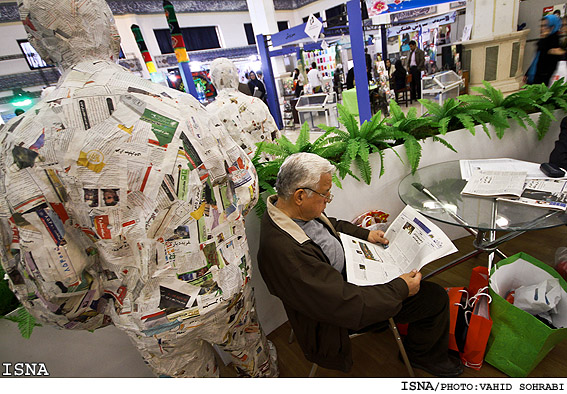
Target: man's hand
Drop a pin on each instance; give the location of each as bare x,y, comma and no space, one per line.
377,236
413,280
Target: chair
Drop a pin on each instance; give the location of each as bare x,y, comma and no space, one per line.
405,92
397,337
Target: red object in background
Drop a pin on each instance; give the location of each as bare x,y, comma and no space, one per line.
510,297
561,268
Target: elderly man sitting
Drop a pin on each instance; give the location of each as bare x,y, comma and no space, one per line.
302,262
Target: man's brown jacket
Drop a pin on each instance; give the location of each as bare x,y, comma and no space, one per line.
320,304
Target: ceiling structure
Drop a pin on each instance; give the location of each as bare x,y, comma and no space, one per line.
9,9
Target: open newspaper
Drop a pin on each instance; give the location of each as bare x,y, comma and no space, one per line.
414,242
543,193
495,183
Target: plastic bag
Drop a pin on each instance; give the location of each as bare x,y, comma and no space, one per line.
560,72
372,220
539,298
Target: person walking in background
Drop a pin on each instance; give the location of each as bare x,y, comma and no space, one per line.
314,78
350,79
256,86
297,82
544,62
399,76
416,66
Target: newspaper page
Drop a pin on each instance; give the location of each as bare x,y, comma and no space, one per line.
468,167
495,183
543,193
414,242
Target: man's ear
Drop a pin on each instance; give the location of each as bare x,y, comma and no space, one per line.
299,196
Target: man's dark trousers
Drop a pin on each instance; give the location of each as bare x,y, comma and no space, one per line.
415,84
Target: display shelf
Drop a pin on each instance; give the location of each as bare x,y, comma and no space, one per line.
318,108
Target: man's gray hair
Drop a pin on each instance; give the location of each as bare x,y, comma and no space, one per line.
301,170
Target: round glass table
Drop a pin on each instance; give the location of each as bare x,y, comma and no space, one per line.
435,191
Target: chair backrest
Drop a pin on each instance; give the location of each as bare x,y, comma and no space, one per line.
408,78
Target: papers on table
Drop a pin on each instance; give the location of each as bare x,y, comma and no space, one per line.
543,193
414,242
469,166
522,186
495,183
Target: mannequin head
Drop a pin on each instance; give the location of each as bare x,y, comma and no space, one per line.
224,74
66,32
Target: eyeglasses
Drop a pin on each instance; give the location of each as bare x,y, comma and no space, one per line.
328,197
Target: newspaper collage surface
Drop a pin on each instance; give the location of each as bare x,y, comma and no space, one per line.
246,118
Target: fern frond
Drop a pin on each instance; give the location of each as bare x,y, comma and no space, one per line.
413,152
363,150
303,137
543,123
364,168
432,107
352,148
436,138
444,125
275,149
467,121
287,145
346,118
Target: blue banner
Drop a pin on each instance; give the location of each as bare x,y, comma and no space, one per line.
290,35
377,7
425,23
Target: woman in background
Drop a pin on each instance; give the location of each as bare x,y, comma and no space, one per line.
399,76
256,86
297,82
544,63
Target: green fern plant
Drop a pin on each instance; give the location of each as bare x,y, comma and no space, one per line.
26,321
354,145
451,115
413,129
8,303
545,99
491,107
278,151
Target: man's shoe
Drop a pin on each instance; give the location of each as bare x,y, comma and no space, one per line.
451,368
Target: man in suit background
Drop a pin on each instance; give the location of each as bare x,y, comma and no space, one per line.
416,66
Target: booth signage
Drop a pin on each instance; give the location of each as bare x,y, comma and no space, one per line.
377,7
290,35
427,23
313,27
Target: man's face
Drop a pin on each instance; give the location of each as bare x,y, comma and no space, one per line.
314,205
412,47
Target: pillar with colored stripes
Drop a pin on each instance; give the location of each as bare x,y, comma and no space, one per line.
179,48
154,75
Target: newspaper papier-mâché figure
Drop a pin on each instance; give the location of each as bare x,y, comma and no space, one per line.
122,203
247,118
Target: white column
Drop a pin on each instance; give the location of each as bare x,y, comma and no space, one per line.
490,18
262,16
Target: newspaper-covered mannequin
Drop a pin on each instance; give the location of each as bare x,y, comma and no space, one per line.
247,118
122,202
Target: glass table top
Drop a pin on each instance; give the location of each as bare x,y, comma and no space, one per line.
435,191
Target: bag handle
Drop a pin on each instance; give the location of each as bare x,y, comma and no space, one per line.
481,292
463,305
